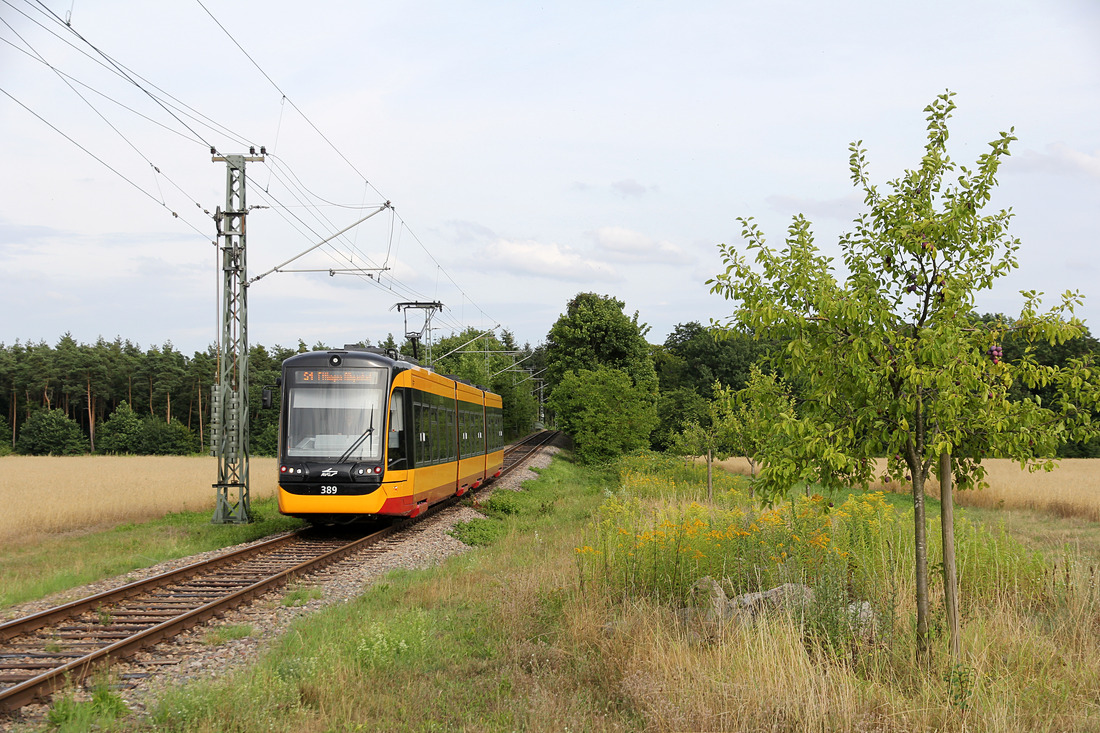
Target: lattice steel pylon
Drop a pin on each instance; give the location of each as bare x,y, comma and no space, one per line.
229,403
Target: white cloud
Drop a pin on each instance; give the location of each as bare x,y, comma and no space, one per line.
529,257
1057,159
625,245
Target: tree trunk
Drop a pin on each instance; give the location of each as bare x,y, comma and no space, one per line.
710,486
91,416
921,545
950,577
202,443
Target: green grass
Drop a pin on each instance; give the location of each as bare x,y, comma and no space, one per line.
221,634
521,634
456,647
302,596
31,572
105,711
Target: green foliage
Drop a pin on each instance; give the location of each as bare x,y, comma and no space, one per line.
121,433
266,443
402,639
603,382
158,438
222,634
605,412
502,503
5,437
661,551
51,432
888,362
676,409
697,357
594,332
484,360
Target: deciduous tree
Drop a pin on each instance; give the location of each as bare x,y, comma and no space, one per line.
885,358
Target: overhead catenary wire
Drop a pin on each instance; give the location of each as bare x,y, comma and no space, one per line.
102,162
124,73
64,77
335,149
195,127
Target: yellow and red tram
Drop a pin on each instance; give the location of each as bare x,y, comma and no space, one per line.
364,434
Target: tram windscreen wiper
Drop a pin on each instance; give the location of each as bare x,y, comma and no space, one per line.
369,432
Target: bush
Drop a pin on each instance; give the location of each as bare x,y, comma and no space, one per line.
266,442
51,432
160,438
5,437
121,431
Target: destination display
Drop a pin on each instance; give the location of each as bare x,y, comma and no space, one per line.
338,376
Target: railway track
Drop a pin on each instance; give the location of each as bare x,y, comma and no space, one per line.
42,652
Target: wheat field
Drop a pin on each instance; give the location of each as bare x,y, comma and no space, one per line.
48,495
1070,490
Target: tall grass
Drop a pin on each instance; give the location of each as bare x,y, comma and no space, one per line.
48,495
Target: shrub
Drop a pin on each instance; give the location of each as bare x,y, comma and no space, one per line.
51,432
160,438
121,431
5,437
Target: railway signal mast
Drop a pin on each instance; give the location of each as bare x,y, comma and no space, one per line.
229,403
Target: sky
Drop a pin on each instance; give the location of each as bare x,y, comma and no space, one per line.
529,151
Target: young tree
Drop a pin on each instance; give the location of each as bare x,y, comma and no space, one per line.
745,417
738,422
887,360
120,433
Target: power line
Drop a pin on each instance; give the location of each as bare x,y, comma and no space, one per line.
102,162
124,73
63,77
331,145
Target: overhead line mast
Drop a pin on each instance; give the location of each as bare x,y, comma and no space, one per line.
229,403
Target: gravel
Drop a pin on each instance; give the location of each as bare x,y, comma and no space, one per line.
188,657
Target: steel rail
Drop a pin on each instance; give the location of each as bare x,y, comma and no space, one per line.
47,682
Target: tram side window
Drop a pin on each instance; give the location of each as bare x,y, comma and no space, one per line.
421,434
467,426
452,438
430,457
397,456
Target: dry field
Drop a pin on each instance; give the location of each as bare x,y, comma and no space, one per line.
49,495
1070,490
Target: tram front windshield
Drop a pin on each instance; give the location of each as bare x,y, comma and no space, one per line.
336,414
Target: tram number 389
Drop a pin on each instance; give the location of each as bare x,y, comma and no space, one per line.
328,489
